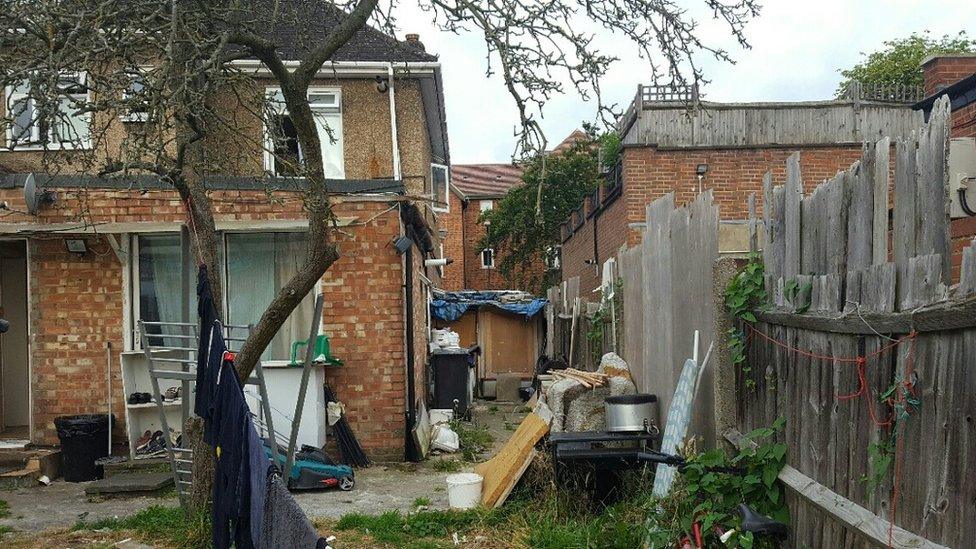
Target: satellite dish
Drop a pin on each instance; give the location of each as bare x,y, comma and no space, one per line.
34,197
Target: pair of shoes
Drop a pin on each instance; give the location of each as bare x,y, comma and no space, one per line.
173,394
155,445
143,441
140,398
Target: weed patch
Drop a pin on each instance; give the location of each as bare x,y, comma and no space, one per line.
161,524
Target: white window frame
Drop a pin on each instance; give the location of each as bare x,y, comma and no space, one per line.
438,205
10,96
129,115
486,205
319,112
481,256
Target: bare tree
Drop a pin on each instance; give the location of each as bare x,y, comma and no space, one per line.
167,61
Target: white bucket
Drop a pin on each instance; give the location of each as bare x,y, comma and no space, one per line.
464,490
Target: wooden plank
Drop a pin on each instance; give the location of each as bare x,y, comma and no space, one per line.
835,218
502,472
852,291
753,229
903,230
932,214
880,168
792,195
937,317
878,288
657,295
868,526
924,282
860,221
632,274
967,273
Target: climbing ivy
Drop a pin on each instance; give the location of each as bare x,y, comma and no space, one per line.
744,294
602,318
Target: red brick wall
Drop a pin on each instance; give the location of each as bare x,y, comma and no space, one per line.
963,231
476,277
964,122
453,222
650,173
76,307
943,71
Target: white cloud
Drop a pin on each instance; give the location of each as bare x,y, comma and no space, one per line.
797,49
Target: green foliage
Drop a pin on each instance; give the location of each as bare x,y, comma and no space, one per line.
448,465
880,454
473,438
161,524
4,509
899,62
417,529
421,502
712,496
611,145
744,294
800,296
522,235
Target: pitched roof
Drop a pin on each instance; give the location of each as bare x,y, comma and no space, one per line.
571,139
485,180
300,25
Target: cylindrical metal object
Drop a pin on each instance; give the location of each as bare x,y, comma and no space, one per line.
630,413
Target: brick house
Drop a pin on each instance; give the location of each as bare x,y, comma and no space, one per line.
955,76
674,142
80,272
476,188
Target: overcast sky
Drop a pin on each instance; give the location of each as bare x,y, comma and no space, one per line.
798,46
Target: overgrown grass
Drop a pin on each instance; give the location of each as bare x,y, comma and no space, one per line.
169,525
473,438
4,513
448,465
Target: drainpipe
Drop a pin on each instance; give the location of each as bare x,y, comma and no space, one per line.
393,125
411,452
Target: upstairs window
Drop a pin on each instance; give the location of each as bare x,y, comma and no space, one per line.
136,107
283,155
57,119
488,258
439,185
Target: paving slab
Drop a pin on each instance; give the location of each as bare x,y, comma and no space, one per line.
131,482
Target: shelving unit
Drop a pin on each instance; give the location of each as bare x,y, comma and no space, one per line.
143,417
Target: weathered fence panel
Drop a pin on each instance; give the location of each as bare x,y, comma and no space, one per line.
882,364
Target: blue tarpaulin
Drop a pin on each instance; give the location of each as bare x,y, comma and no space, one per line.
449,306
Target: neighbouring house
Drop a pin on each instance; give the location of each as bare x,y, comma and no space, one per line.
675,142
79,274
955,76
476,188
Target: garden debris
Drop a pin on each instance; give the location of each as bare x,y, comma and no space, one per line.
587,379
502,472
445,439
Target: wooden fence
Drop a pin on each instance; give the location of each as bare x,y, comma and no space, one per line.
868,352
667,295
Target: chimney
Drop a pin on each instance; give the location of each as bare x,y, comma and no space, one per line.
942,71
413,41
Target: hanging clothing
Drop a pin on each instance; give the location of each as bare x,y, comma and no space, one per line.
207,395
284,524
257,469
207,313
231,490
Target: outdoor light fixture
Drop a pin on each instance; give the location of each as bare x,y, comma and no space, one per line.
439,262
76,245
701,170
402,244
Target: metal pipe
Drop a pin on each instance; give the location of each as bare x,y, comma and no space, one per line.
393,125
411,453
306,371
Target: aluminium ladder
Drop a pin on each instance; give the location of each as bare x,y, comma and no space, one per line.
163,351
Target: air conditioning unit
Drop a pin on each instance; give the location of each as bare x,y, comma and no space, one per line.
962,176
